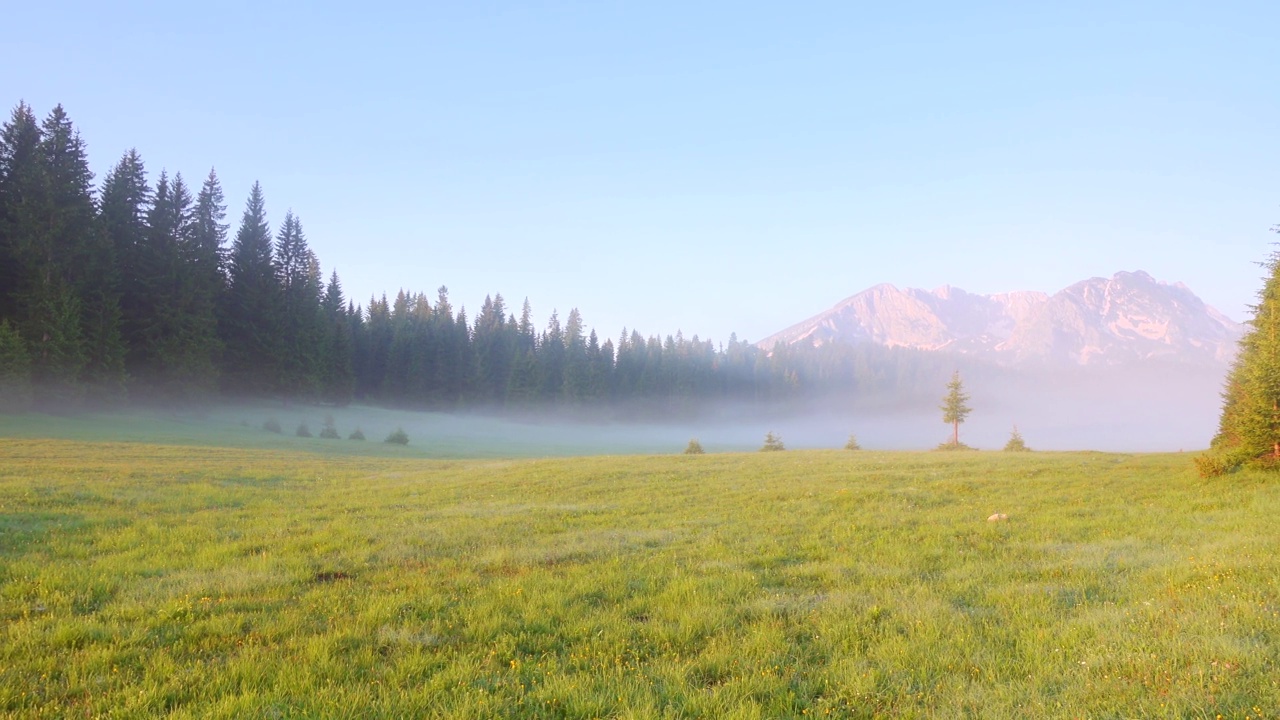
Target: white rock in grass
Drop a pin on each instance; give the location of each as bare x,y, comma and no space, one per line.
998,517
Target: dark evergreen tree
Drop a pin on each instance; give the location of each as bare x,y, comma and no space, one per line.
83,254
250,316
298,362
337,373
525,378
126,198
15,370
49,225
575,388
20,183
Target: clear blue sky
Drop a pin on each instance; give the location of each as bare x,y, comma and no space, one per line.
711,167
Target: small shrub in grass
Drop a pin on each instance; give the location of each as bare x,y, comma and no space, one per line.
273,425
1016,443
772,443
853,443
398,437
949,446
303,430
694,448
1217,462
356,434
329,431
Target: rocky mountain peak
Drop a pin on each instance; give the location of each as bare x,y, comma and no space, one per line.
1127,317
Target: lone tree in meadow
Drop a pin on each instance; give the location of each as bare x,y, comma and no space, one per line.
694,448
954,407
1249,429
772,443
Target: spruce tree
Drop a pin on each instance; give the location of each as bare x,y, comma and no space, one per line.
1016,443
15,370
19,180
250,317
772,443
955,407
1249,427
126,197
338,377
83,255
301,329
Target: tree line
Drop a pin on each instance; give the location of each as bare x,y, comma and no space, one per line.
136,288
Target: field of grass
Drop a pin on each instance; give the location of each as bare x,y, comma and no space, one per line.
145,580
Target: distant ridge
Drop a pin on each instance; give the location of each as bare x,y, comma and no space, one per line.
1128,317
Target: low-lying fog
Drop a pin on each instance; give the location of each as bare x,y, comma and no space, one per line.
1158,409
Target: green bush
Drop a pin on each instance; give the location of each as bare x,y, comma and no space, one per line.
949,446
303,430
273,425
694,448
1217,462
398,437
356,434
853,443
772,443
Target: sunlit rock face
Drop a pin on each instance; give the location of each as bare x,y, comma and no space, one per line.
1100,321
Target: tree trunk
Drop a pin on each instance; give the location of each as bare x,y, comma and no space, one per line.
955,433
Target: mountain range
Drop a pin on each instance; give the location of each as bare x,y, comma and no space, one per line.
1128,317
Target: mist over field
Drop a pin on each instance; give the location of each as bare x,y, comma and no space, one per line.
1151,408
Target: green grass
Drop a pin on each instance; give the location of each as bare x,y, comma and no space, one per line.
161,580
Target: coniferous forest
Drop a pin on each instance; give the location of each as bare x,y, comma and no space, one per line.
142,288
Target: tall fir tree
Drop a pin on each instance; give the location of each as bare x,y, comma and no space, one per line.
126,199
1249,427
250,317
955,407
21,184
86,255
298,357
51,221
200,246
337,372
15,370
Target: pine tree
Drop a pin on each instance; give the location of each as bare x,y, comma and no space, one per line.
338,376
575,385
83,255
772,443
1249,427
204,281
20,184
15,370
50,223
301,332
1016,443
250,318
955,408
125,200
853,443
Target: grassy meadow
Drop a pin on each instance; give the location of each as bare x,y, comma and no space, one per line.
147,580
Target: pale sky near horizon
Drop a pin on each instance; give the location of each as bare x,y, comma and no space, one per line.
711,167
